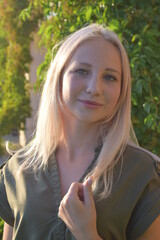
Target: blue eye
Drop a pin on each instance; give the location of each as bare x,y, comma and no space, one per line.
108,77
82,72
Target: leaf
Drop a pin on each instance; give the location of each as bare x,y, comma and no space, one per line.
89,13
138,87
148,121
145,29
135,37
146,85
147,107
148,50
97,13
72,28
24,15
49,30
114,25
134,100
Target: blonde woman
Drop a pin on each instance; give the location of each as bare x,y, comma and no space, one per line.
84,176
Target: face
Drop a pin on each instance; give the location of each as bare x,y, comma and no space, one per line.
92,81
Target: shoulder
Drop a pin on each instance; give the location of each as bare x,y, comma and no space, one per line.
139,157
141,172
9,178
11,164
12,174
139,152
137,168
4,161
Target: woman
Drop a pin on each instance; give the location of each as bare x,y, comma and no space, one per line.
83,176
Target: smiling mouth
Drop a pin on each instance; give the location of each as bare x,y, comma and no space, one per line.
91,103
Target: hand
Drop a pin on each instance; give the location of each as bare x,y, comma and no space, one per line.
77,210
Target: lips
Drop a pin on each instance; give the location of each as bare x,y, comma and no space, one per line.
89,102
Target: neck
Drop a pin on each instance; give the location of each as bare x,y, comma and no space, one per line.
78,139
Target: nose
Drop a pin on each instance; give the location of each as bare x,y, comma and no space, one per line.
94,85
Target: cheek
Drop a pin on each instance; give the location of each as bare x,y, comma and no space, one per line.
112,95
70,87
65,94
117,94
65,88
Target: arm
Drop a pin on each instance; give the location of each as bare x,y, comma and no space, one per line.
7,232
77,210
153,232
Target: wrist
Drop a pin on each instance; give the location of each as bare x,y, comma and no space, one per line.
97,238
91,237
94,236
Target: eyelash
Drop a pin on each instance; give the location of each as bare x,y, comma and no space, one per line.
82,71
111,78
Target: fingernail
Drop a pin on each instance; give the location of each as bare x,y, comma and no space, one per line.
89,181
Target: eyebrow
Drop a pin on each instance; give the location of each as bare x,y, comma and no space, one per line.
106,69
112,70
86,64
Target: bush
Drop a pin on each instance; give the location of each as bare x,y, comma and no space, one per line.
2,147
1,228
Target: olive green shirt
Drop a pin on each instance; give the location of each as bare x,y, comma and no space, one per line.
30,202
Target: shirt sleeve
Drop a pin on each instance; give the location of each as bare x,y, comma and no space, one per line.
148,207
5,210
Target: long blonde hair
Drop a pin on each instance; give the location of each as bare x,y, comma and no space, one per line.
49,124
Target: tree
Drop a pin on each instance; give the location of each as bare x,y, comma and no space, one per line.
15,36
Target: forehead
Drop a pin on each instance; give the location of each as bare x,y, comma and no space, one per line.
97,51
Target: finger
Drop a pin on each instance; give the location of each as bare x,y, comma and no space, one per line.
87,189
76,191
81,194
74,197
75,188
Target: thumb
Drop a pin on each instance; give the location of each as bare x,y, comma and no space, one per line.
87,190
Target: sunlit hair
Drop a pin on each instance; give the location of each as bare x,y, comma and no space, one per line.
49,125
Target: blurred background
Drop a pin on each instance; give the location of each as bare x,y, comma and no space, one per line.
30,28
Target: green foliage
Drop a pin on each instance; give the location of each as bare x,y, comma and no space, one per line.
15,37
2,147
138,25
1,228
